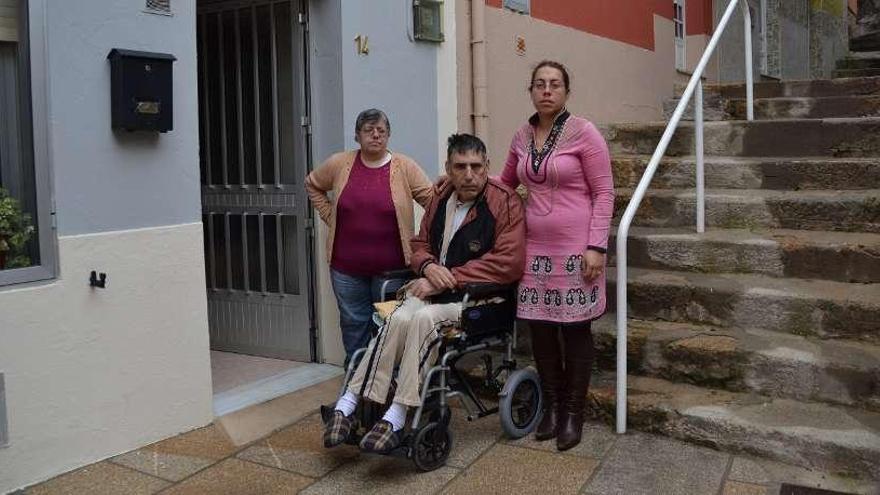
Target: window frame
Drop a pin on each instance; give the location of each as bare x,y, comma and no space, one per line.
33,35
679,23
518,6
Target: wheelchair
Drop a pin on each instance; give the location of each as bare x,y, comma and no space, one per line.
487,321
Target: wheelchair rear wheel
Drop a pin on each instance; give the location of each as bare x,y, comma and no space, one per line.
520,404
431,446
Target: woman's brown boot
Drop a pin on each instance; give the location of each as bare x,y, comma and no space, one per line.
578,368
548,360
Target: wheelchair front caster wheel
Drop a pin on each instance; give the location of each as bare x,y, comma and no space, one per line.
520,404
431,446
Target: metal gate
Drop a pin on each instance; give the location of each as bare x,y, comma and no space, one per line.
253,132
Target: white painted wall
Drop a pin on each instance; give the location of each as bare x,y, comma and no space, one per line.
447,83
611,81
93,373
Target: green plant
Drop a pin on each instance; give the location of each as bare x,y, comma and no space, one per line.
16,230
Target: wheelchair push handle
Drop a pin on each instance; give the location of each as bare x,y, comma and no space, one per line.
483,290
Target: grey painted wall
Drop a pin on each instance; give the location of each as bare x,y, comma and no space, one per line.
398,75
106,180
804,40
731,50
325,63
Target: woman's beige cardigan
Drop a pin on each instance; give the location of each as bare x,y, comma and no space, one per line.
408,182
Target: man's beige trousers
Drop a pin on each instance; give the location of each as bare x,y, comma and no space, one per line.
410,338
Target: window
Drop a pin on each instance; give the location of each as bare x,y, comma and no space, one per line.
521,6
26,233
678,22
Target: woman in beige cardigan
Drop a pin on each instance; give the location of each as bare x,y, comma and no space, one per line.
369,220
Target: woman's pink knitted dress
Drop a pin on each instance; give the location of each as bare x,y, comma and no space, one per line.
569,207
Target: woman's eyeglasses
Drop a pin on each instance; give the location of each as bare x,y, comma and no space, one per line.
381,131
554,85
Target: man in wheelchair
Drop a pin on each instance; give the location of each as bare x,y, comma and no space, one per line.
473,231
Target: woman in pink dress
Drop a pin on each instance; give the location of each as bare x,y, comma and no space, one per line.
563,162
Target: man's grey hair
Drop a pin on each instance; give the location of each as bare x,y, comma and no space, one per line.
371,116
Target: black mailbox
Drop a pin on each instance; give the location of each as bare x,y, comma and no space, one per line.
141,90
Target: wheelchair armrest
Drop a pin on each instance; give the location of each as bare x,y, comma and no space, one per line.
402,274
483,290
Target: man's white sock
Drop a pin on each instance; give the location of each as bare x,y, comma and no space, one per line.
347,403
396,415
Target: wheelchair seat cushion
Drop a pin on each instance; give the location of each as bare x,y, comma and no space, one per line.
385,308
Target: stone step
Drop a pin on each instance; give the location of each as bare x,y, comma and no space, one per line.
837,256
807,108
767,363
862,62
850,73
864,55
839,439
812,308
752,172
848,211
784,108
842,137
802,88
868,42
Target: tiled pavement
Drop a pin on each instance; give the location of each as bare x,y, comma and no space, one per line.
228,457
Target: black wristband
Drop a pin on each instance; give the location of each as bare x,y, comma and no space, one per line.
597,249
425,265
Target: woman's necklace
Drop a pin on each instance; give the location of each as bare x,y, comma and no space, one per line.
538,173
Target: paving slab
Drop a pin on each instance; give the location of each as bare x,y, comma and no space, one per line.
176,458
647,464
471,438
237,477
247,425
767,472
506,469
299,448
381,475
103,478
597,439
737,488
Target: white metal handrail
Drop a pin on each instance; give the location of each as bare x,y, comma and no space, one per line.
694,85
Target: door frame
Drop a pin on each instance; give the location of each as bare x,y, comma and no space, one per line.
299,15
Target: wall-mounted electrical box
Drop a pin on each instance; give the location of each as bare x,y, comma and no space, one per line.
428,20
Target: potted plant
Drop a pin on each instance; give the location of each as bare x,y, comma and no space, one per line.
16,230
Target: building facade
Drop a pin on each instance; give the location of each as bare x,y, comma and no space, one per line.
203,232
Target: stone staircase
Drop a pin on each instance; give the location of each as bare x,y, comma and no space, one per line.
762,335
